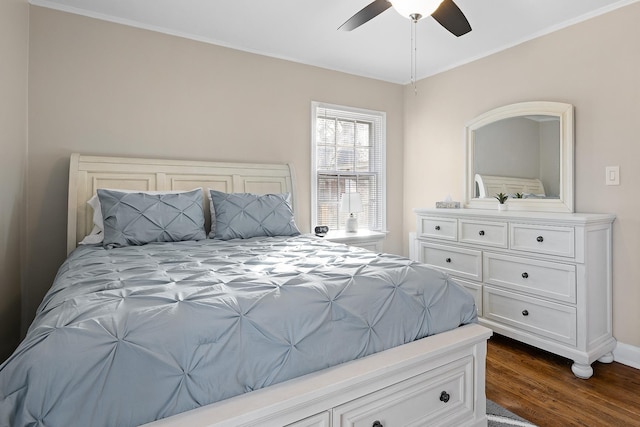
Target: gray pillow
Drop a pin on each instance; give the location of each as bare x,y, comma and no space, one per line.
244,215
139,218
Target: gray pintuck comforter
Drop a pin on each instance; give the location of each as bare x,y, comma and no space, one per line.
129,335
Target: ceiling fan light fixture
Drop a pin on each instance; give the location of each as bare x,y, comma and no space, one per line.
412,8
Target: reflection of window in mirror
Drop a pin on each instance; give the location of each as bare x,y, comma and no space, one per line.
526,147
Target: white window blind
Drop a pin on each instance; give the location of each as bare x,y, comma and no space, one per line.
348,155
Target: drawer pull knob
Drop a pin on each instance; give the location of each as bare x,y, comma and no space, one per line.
540,239
481,232
437,228
444,397
525,275
448,259
377,423
525,312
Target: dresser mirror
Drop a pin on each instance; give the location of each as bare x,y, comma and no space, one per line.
524,150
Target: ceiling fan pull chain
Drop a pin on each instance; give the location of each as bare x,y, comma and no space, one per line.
414,50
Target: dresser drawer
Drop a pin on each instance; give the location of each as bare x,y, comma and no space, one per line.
483,233
543,278
543,239
547,319
438,228
441,397
461,262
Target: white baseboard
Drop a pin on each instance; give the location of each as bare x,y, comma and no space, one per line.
627,355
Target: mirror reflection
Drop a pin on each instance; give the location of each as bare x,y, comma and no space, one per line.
518,156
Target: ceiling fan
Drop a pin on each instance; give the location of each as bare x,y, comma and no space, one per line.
446,12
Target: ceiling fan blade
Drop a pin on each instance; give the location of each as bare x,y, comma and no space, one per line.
451,18
366,14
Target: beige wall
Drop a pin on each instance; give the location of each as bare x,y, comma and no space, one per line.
14,45
595,66
101,88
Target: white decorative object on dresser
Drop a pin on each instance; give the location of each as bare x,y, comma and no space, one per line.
539,277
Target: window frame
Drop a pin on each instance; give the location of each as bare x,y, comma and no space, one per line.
378,147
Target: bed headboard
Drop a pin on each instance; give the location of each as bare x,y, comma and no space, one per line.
489,185
88,173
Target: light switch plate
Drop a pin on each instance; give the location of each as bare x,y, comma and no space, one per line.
612,175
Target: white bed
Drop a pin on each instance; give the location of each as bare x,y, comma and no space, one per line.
489,186
438,380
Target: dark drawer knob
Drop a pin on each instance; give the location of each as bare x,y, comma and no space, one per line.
540,239
525,275
444,397
525,312
481,232
437,228
448,259
377,423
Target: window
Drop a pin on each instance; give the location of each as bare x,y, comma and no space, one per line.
347,155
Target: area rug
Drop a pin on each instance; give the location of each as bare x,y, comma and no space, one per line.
500,417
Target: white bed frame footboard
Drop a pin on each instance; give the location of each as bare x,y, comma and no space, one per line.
435,381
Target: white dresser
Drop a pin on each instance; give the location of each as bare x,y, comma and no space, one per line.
541,278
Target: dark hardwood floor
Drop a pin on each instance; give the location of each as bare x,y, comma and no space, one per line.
540,387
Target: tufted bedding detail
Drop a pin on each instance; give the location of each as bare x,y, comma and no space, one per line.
129,335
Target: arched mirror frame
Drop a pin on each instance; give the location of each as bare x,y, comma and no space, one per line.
565,113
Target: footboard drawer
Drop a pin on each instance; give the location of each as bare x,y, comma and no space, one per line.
443,396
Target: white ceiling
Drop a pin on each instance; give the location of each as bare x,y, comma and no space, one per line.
305,31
